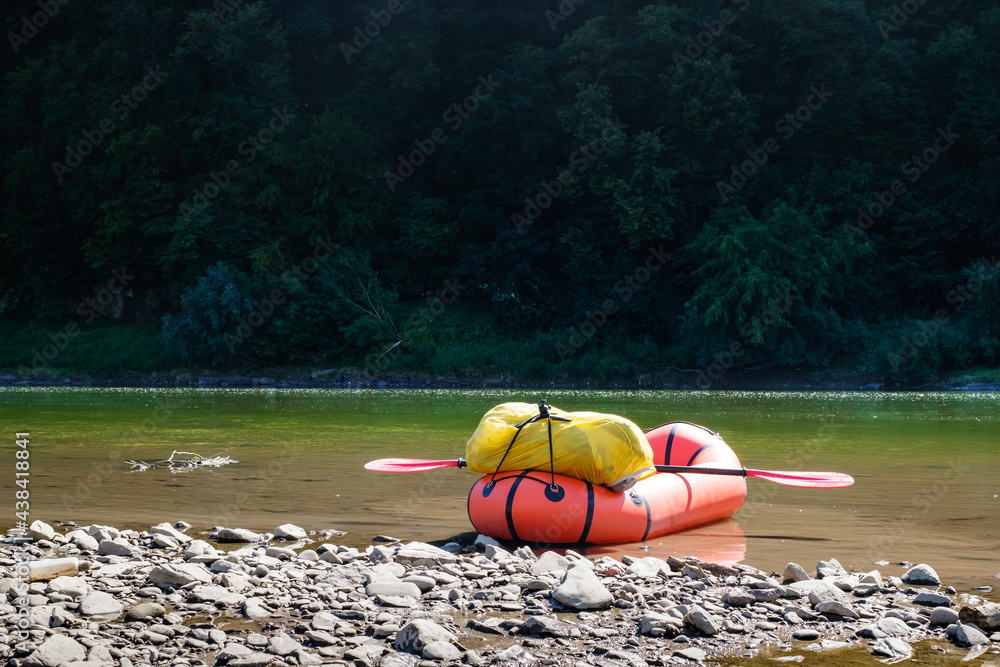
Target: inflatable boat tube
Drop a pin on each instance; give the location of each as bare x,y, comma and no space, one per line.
521,505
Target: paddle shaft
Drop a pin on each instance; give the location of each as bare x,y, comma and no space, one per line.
735,472
786,477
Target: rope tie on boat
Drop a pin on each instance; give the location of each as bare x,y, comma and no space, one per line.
552,490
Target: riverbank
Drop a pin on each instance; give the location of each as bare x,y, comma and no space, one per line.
311,377
292,598
105,354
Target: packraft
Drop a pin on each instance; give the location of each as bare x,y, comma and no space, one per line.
591,446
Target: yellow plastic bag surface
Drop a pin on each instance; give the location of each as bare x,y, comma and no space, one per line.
598,448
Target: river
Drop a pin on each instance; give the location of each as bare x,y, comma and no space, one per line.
926,465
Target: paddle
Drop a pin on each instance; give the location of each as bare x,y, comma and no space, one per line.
815,480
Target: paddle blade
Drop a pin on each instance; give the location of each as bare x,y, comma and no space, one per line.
408,465
814,480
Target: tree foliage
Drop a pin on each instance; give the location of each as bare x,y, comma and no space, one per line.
832,164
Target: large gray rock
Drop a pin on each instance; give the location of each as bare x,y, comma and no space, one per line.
893,627
116,547
649,568
367,654
738,597
324,620
71,586
702,620
418,633
170,531
549,561
892,647
281,644
253,608
921,574
208,592
986,616
421,582
581,589
393,588
830,568
234,581
176,575
692,653
83,540
819,591
795,572
39,530
144,611
238,535
653,623
351,575
419,554
232,651
836,607
970,635
931,599
442,651
290,532
100,606
943,616
56,651
199,548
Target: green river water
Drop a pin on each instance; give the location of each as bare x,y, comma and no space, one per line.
926,465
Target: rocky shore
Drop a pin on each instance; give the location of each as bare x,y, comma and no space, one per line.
163,597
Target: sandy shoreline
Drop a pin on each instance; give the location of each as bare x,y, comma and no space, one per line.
164,597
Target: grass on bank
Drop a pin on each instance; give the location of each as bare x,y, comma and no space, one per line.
457,343
99,349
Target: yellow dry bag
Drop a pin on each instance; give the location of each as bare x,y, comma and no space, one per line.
598,448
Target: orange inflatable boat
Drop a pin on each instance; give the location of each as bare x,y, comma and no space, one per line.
520,506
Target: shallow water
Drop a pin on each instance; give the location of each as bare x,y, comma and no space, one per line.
926,465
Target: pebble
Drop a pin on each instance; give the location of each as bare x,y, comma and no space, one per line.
943,616
970,635
930,599
581,589
921,574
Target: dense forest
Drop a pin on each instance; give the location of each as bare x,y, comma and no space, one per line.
541,189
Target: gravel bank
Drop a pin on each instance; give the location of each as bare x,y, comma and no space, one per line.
166,598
